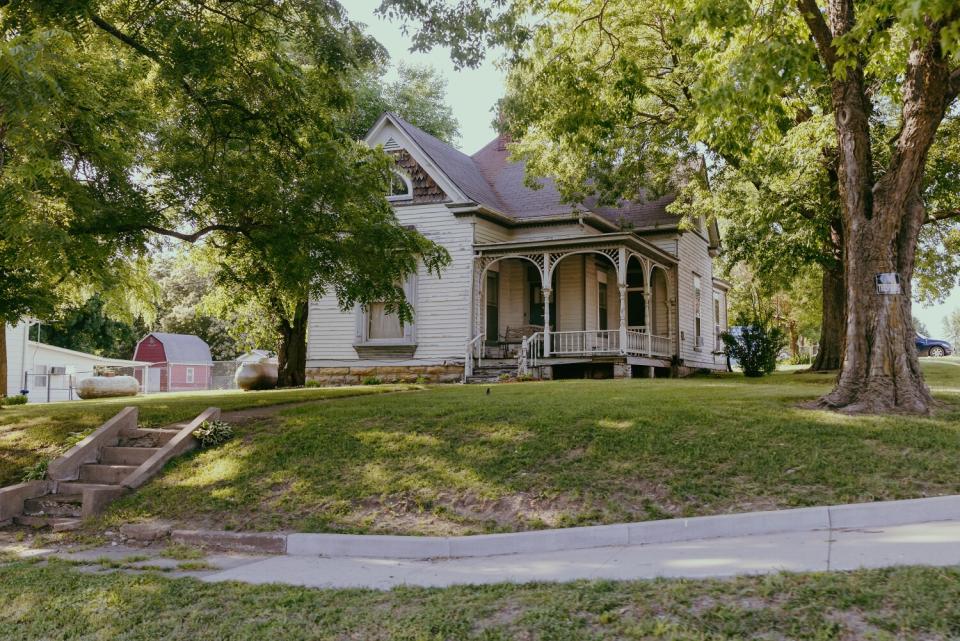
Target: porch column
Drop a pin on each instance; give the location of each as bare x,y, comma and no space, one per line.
476,323
647,270
545,286
546,321
622,286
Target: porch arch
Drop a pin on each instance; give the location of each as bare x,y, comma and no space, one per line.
587,303
660,312
480,285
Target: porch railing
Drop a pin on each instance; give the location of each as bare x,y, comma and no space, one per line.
592,342
598,341
661,346
473,351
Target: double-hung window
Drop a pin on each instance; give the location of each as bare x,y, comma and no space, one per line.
697,312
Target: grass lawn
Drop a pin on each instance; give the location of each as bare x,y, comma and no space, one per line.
54,601
30,434
455,460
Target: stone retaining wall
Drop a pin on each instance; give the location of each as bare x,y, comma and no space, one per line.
387,374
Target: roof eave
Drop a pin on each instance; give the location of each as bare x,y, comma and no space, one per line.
587,217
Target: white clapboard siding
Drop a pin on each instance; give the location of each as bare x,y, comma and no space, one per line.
442,305
571,229
513,293
486,231
695,259
16,338
660,314
569,293
666,242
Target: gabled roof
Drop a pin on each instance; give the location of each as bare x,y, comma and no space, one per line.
182,348
491,180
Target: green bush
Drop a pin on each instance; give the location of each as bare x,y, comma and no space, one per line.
312,384
800,359
421,380
19,399
757,347
372,380
213,433
36,472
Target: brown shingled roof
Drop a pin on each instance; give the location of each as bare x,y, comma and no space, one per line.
489,178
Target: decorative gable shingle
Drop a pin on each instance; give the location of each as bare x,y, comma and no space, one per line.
425,189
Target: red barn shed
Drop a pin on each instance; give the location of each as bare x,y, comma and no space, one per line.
181,362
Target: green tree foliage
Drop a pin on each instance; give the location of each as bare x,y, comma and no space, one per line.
418,95
951,327
90,328
615,96
183,290
209,120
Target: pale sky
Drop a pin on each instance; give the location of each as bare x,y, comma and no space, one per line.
472,93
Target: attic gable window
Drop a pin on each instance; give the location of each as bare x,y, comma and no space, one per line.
400,187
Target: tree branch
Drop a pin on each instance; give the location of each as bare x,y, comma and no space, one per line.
822,36
942,215
955,84
191,237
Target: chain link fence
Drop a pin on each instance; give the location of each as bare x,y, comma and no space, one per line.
50,384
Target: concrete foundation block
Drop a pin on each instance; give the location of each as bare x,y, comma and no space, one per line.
622,370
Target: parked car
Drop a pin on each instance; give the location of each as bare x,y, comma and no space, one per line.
935,347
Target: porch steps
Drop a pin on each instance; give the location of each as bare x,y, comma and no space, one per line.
491,371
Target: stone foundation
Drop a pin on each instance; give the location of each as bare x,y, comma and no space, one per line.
357,374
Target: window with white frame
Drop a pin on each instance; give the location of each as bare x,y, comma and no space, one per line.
377,324
189,375
401,188
697,312
717,316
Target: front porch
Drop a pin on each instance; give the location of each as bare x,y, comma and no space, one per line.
573,300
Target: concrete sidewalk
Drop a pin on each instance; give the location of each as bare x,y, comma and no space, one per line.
936,543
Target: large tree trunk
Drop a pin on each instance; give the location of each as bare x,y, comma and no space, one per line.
881,218
292,351
3,360
833,324
881,370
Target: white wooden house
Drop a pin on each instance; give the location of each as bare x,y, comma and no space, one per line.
535,284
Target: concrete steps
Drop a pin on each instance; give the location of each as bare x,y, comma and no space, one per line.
70,505
491,373
106,474
126,455
56,523
76,489
146,437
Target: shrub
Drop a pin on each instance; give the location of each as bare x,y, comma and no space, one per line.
422,380
36,472
756,347
18,399
503,378
312,384
213,433
372,380
800,359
